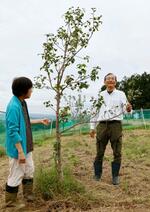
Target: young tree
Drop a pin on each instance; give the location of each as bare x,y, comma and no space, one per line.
60,52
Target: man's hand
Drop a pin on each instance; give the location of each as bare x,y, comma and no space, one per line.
92,133
45,121
128,107
21,157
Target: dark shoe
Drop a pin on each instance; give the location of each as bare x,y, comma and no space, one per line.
115,173
115,180
27,185
97,170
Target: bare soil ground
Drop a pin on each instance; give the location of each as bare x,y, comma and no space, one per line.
133,193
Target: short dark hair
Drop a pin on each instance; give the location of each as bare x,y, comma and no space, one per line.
110,74
21,85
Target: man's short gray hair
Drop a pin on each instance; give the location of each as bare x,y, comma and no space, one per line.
110,74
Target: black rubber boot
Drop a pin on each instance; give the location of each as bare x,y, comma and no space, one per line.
115,173
97,170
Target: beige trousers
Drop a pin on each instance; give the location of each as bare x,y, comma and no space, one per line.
18,172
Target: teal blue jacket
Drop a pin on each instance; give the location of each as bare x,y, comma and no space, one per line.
15,128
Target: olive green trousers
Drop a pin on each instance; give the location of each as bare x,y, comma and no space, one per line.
105,132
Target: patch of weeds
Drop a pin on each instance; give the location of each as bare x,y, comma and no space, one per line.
41,142
74,160
135,150
74,144
38,142
49,186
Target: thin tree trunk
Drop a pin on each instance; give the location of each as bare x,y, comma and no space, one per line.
58,141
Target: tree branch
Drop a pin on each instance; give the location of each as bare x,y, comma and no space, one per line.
50,81
88,122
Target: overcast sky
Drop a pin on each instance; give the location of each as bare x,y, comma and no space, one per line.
122,45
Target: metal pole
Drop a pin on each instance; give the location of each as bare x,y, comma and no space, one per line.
143,118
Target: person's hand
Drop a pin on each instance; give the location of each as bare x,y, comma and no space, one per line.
92,133
21,157
45,121
128,107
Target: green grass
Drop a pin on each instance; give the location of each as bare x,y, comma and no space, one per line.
73,160
78,186
137,147
47,183
2,152
134,127
74,144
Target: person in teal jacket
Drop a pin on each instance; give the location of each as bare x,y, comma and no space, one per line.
19,143
15,127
